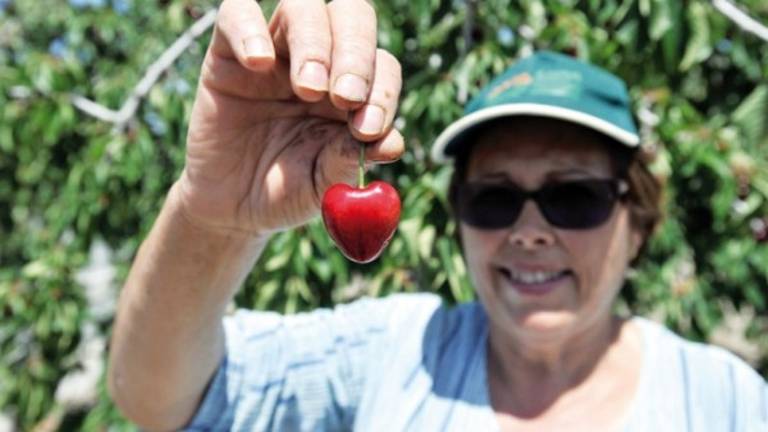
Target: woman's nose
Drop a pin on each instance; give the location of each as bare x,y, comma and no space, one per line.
531,230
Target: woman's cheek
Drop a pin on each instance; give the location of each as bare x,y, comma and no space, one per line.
579,248
479,249
592,263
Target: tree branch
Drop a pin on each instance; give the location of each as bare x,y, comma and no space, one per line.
741,19
151,76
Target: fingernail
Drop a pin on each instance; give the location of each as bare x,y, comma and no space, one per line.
351,87
369,120
256,47
314,75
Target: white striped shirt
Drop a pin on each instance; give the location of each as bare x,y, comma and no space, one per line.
408,363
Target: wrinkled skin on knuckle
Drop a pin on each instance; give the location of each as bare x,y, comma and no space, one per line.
311,43
312,158
355,50
338,163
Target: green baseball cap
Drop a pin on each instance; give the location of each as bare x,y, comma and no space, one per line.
547,84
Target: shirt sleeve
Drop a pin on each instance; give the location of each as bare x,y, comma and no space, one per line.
300,372
738,393
754,388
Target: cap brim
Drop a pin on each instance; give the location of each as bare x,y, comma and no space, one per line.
476,118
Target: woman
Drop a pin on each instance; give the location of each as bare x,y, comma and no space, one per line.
552,204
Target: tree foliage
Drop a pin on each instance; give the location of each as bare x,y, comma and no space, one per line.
68,180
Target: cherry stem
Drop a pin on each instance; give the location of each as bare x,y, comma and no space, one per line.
361,168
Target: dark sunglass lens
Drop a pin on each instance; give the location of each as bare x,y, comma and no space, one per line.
488,206
579,205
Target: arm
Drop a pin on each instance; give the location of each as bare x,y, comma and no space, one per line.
169,317
268,134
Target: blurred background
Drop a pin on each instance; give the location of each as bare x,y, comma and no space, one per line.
81,180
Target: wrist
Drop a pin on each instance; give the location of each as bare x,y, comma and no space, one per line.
178,209
178,252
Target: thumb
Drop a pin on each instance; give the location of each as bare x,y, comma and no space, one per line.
338,161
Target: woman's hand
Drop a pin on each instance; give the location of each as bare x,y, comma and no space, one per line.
281,110
275,122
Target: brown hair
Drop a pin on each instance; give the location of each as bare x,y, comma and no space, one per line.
644,198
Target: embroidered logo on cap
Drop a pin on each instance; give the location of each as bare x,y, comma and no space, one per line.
519,80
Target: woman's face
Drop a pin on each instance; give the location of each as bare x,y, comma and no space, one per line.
508,264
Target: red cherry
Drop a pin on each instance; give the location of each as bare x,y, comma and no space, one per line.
361,221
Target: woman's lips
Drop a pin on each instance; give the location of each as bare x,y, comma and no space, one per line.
535,288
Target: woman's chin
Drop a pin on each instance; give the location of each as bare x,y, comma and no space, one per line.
544,323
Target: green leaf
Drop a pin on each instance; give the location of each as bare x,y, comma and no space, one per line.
278,260
645,7
266,294
751,116
699,47
661,18
536,15
38,269
427,242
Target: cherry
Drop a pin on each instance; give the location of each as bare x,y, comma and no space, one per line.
361,220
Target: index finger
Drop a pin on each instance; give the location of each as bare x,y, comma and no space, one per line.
353,23
302,34
241,33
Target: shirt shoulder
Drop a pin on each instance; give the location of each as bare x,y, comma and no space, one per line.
698,357
701,386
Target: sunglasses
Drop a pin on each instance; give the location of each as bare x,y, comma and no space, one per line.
578,204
